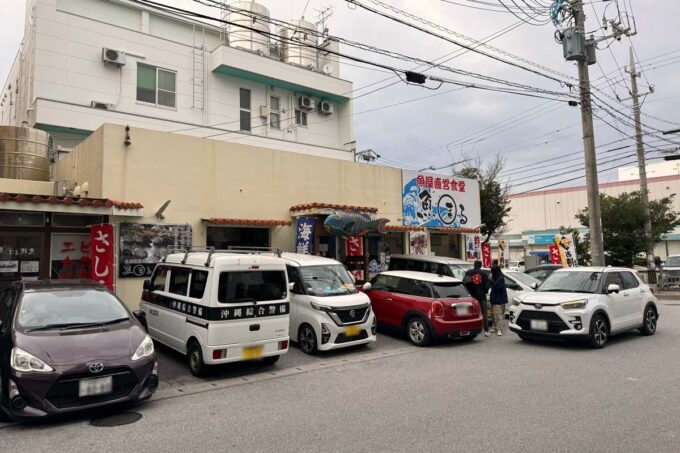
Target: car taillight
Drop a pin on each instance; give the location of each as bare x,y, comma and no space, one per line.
437,309
283,344
219,354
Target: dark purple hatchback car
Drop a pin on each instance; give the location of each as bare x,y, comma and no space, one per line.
70,345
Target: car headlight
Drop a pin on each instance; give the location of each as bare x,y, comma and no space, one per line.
145,349
574,304
21,360
319,307
516,301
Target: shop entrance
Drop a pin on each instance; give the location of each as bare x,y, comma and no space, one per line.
446,244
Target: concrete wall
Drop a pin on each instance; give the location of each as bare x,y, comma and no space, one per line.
84,164
68,74
207,178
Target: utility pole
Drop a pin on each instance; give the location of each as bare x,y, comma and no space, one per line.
592,186
644,193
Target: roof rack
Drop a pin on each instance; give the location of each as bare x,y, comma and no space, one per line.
212,250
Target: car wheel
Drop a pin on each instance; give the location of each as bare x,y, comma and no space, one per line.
650,319
599,332
271,360
307,340
195,358
418,332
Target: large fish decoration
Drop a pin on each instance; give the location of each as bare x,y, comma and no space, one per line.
347,224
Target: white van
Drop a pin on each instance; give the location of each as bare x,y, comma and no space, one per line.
327,311
218,307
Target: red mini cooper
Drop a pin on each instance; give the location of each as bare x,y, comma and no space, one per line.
424,306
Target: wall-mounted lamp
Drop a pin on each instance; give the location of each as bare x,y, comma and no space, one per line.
127,141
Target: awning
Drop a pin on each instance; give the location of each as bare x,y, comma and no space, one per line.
403,228
328,208
457,230
248,222
73,205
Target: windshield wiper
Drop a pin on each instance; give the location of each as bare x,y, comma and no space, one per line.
93,324
51,326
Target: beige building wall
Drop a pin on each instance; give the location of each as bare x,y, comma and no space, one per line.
83,166
207,178
552,209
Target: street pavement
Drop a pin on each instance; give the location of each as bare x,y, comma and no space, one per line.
494,394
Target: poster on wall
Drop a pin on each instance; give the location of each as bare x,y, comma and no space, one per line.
438,201
304,236
143,245
70,256
419,242
473,247
102,250
486,255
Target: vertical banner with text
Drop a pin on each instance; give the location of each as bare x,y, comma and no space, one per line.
486,255
304,240
354,246
102,254
555,256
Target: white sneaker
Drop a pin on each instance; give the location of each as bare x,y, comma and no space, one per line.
500,333
487,334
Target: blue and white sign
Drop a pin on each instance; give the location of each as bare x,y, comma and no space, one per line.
438,201
541,239
304,242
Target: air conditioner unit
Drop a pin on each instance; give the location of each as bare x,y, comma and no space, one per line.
306,103
112,56
264,111
326,108
101,105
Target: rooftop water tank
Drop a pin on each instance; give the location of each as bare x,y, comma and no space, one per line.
244,38
23,153
298,44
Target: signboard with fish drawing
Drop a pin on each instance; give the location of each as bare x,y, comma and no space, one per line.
352,223
439,201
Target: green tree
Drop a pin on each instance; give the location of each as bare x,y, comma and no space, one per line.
581,244
493,193
623,224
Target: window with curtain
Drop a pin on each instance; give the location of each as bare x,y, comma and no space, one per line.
156,86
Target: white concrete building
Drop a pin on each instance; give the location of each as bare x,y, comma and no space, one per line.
653,171
173,74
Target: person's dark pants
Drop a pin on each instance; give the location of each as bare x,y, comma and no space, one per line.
484,304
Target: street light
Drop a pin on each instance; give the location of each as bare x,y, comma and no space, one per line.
431,167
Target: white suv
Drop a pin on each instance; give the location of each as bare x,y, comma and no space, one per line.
327,311
587,302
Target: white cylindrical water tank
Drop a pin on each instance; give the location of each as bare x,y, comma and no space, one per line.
298,43
245,38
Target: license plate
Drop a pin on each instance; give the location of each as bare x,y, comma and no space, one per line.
252,352
537,324
352,331
91,387
462,310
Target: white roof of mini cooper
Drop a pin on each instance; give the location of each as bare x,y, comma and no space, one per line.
422,276
200,258
432,259
299,260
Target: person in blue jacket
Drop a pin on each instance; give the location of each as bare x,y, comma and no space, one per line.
498,298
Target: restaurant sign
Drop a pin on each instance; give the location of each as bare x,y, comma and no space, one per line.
101,240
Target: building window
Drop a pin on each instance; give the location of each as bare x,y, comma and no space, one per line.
275,112
156,86
300,118
245,109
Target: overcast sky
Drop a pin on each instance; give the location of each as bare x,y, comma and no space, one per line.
525,131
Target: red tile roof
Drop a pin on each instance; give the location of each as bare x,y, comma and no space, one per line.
68,201
250,222
458,230
340,207
403,228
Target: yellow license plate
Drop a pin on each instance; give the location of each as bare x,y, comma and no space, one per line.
352,331
252,352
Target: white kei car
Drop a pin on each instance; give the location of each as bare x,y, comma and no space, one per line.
590,303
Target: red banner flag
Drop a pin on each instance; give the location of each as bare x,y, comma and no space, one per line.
102,254
354,246
555,257
486,255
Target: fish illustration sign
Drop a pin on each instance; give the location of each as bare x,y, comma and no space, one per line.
346,224
439,201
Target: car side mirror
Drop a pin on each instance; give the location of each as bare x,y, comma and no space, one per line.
291,286
367,287
147,285
613,288
141,317
533,286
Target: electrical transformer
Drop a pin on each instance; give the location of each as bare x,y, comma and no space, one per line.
573,45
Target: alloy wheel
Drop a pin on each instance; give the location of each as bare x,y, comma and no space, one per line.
650,320
416,331
307,340
600,332
194,360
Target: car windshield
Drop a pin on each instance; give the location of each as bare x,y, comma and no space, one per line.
523,278
572,282
458,270
452,290
673,261
69,308
323,281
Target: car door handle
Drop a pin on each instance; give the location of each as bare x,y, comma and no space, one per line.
254,327
387,299
626,294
